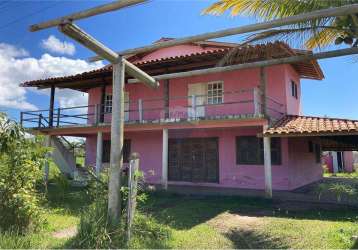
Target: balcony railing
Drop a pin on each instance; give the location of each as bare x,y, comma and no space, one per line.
229,105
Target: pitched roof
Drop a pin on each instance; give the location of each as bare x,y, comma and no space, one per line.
309,69
292,125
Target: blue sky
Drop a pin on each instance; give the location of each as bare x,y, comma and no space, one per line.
335,96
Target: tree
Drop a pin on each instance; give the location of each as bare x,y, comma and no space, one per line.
311,34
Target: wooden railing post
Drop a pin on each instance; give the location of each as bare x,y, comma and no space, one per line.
21,118
193,105
40,121
58,117
140,110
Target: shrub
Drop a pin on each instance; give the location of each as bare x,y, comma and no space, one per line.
21,159
94,231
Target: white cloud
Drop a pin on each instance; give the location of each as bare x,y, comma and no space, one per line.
17,66
53,44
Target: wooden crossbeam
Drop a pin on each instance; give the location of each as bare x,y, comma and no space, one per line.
140,75
88,41
330,12
86,13
266,63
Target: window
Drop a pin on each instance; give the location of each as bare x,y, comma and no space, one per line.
294,89
250,150
108,103
215,93
106,153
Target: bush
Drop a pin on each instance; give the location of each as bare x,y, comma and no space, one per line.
94,231
21,159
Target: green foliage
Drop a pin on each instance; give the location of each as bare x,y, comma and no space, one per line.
311,34
21,159
9,240
95,232
340,190
63,185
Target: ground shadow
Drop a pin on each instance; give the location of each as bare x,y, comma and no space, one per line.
355,245
251,239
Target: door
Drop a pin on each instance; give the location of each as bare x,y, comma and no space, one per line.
199,90
193,160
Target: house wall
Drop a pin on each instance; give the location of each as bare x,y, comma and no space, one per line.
293,104
149,145
303,168
278,89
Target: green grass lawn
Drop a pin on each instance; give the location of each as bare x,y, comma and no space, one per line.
211,222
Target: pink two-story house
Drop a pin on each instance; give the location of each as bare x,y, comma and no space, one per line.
213,124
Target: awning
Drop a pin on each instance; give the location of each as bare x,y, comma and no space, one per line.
334,134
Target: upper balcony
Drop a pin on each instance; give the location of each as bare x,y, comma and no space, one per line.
241,104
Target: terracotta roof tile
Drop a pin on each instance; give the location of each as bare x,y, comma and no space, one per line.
293,125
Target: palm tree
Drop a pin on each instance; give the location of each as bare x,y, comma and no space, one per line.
311,34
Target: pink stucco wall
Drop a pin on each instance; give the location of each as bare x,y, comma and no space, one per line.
278,89
303,168
298,166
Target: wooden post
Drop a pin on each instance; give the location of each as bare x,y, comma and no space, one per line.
165,159
132,193
267,166
52,103
193,106
140,110
263,87
99,152
116,161
21,118
101,109
58,117
166,98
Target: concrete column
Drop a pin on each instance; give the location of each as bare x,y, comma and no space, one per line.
165,159
99,152
267,166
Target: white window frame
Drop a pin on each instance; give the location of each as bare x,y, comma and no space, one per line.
214,95
108,103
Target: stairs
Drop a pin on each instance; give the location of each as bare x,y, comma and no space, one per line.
63,158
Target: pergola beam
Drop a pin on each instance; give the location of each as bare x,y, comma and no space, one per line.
140,75
91,43
86,13
266,63
88,41
330,12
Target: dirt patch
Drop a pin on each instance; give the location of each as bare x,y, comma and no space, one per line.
65,233
227,221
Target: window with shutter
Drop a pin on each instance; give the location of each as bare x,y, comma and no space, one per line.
250,150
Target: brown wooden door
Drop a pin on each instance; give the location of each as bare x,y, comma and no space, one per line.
193,160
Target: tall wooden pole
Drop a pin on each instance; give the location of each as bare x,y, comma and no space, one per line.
116,161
